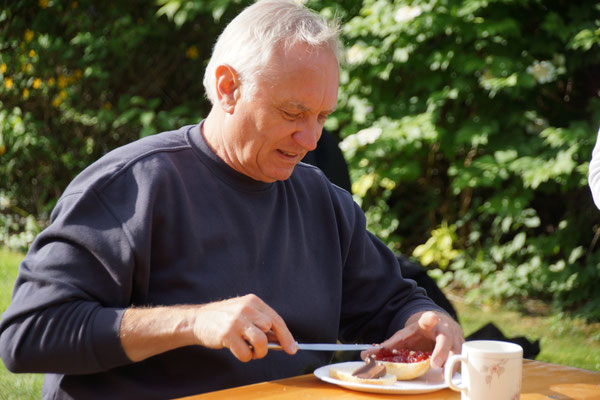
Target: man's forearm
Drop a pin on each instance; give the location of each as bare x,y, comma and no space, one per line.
240,324
146,332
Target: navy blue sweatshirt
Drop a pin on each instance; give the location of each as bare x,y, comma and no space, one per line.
164,221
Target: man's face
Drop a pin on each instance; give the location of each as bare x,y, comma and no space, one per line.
283,119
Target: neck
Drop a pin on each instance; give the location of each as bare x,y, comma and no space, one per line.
212,129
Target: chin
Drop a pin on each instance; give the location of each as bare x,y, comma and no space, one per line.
276,173
280,176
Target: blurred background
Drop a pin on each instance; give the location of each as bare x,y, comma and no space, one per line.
467,125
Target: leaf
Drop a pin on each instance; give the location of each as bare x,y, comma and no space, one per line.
576,253
585,39
363,185
169,8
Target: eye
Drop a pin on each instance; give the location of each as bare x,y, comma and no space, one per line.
291,115
322,118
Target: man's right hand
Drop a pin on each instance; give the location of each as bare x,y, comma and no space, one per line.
244,325
242,322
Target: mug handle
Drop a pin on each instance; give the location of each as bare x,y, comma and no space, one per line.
449,367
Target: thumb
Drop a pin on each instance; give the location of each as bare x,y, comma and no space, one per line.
428,321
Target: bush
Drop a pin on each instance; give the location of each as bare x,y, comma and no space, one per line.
468,125
78,78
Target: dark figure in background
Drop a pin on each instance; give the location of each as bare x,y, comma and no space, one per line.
329,158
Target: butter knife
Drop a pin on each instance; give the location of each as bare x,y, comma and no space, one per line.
326,346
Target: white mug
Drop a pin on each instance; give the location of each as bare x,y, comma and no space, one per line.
490,370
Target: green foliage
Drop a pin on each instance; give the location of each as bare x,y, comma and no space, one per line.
468,125
563,339
482,115
439,247
79,78
14,386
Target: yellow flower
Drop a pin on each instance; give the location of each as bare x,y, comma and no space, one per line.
62,81
8,83
56,102
74,4
192,52
25,93
107,105
31,53
3,67
37,82
28,35
2,149
62,94
43,3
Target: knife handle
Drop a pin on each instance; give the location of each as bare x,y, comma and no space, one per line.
270,346
274,346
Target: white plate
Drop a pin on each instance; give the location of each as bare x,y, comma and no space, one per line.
430,382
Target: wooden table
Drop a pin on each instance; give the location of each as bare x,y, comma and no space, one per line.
540,381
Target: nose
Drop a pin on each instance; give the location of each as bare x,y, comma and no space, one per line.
307,135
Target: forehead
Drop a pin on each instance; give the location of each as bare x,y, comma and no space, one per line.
303,77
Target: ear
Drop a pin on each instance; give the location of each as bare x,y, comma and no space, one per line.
228,87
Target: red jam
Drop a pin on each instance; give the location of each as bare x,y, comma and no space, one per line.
402,355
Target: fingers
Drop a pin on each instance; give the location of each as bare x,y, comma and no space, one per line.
239,347
271,338
283,335
273,328
428,321
244,325
443,343
256,340
458,341
448,340
366,353
427,331
418,334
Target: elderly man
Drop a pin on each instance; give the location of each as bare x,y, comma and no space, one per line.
171,262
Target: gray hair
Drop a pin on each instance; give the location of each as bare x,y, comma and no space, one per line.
247,43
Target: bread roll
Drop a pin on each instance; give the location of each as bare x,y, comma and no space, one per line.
345,374
404,364
407,371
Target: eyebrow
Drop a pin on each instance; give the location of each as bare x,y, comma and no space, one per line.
302,107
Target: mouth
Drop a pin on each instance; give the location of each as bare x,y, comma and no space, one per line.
288,154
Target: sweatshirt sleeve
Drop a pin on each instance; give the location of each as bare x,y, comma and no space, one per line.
594,172
376,300
70,295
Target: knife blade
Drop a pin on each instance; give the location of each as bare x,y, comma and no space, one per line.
326,346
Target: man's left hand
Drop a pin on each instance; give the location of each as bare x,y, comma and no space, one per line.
427,331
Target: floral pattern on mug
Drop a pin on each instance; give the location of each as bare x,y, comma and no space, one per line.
490,370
